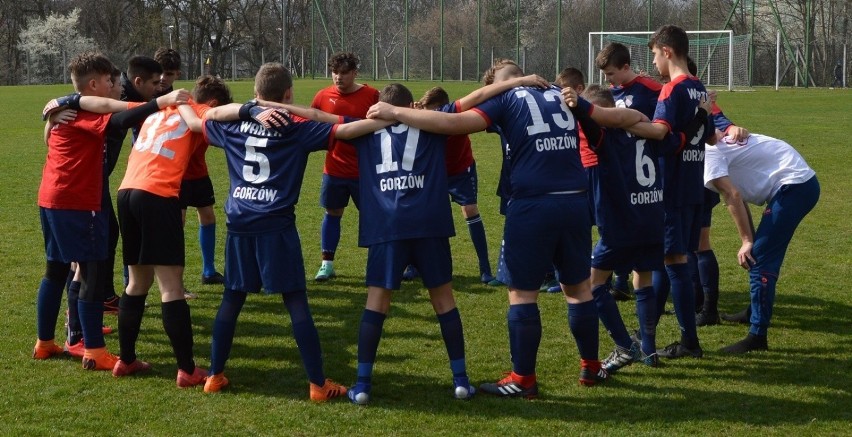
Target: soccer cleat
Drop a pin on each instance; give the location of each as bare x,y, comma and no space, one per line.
215,278
106,330
358,394
486,278
495,283
548,283
555,289
511,387
677,350
188,295
743,316
463,390
329,390
111,305
75,350
46,349
621,294
410,273
746,345
589,376
621,357
215,383
185,380
325,272
652,360
99,359
707,318
122,369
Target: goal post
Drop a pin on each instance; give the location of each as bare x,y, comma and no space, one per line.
721,57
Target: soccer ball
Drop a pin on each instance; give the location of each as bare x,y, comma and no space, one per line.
462,392
362,398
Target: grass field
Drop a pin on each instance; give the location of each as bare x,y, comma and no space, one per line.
800,387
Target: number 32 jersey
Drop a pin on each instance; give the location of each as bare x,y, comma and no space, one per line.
403,179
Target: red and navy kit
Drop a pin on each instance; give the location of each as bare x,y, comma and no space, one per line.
459,154
543,154
342,159
640,94
403,174
684,170
266,169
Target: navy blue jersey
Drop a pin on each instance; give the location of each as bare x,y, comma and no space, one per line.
266,169
640,94
683,172
541,141
628,190
403,179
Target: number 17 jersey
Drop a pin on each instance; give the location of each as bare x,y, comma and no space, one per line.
403,179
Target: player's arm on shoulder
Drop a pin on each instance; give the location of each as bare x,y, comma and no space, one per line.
176,97
347,131
482,94
466,122
650,130
102,105
742,219
191,119
301,111
229,112
617,117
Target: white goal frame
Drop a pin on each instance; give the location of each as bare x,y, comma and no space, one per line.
595,73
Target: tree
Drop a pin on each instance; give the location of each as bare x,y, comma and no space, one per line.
50,41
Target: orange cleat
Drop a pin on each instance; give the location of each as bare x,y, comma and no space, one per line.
98,359
329,390
215,383
46,349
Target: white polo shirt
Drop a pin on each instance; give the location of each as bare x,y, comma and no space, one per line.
758,168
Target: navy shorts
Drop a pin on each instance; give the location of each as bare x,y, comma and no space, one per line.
151,229
641,258
272,261
74,236
711,199
387,261
543,233
683,229
197,193
335,192
463,186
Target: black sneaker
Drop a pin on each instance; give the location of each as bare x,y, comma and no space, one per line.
589,377
508,387
677,350
748,344
743,316
215,278
707,318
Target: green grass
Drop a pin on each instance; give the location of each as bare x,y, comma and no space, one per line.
801,386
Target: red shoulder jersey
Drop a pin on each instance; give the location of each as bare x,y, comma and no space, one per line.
342,159
72,177
587,156
161,154
197,168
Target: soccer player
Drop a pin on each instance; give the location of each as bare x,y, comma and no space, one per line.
629,214
140,83
629,90
152,231
682,185
340,174
548,187
266,170
766,171
71,197
169,60
462,180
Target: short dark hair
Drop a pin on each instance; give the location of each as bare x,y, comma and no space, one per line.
434,98
209,87
272,81
570,77
614,54
87,64
396,94
347,61
168,58
144,67
672,37
599,96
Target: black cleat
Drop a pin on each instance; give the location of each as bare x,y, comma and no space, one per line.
743,316
707,318
748,344
677,350
215,278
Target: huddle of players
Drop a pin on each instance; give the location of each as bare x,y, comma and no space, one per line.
402,173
